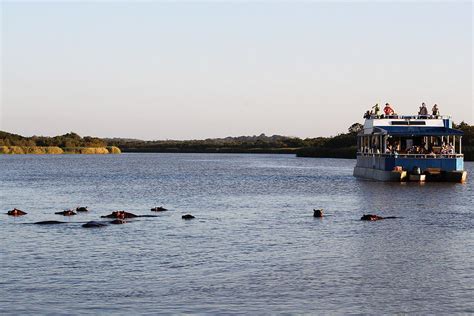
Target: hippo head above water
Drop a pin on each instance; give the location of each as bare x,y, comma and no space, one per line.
318,213
66,213
372,217
120,215
16,212
82,209
158,209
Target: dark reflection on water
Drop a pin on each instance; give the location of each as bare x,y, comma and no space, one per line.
253,248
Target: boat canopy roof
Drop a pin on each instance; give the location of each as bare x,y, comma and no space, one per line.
417,131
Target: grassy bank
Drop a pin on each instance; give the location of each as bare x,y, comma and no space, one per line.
54,150
36,150
92,150
70,143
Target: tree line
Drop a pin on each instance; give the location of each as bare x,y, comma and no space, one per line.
69,140
70,143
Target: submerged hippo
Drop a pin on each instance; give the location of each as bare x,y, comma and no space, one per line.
82,209
66,213
318,213
159,209
372,217
120,215
16,212
187,216
49,223
93,224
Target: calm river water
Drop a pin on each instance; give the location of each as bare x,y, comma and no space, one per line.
254,246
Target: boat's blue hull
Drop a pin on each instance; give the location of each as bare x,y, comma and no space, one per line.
382,168
387,163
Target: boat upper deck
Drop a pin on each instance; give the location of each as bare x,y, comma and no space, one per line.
415,125
416,136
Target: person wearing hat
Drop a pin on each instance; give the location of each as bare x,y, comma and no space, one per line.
388,109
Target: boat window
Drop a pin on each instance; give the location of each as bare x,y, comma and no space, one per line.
408,123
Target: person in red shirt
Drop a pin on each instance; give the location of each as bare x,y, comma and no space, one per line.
388,109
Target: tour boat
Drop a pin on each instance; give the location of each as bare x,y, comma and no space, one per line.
410,148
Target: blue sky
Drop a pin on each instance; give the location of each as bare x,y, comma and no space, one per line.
187,70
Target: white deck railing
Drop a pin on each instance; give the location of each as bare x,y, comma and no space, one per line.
413,156
411,117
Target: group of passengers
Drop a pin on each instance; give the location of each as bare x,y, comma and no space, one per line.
444,149
388,111
375,111
447,149
391,149
424,110
418,150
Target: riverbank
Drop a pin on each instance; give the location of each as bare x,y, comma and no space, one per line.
54,150
70,143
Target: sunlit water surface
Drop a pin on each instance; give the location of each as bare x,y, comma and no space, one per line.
254,246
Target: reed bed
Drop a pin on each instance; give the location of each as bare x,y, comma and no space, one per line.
54,150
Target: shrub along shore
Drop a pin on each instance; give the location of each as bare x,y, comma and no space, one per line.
55,150
343,145
70,143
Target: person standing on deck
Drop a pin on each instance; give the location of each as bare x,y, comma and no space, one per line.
376,109
388,109
435,110
423,110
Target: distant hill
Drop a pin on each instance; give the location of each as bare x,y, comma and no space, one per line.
240,144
